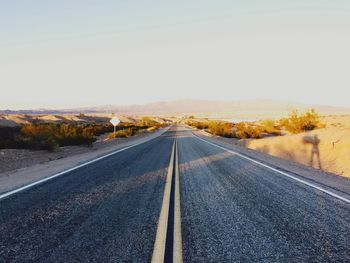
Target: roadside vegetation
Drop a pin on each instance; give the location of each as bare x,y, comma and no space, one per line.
51,136
241,130
128,131
146,124
301,122
295,123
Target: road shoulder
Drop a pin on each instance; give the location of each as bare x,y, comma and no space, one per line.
335,183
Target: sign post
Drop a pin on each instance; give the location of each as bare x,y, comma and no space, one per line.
115,122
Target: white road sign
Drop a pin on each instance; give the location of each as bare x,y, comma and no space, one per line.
115,121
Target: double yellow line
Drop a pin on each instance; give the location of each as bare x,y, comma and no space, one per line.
161,236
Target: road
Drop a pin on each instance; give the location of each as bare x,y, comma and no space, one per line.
103,212
236,211
232,210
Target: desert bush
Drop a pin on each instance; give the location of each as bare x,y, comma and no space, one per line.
240,130
49,144
122,133
8,136
37,136
147,121
50,136
198,124
111,136
101,129
223,129
300,122
268,126
244,131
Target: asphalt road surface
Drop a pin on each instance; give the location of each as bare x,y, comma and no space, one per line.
104,212
232,210
236,211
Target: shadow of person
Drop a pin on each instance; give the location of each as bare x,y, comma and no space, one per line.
315,152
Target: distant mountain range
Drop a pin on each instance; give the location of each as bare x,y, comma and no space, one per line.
243,109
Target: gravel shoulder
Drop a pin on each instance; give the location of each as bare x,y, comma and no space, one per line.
21,167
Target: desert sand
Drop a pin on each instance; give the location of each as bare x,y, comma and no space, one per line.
327,149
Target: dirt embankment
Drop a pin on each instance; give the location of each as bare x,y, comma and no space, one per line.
327,149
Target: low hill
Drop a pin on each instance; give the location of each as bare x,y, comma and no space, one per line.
240,109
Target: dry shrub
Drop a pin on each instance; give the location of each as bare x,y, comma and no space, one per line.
269,126
202,125
224,129
245,131
240,130
51,136
124,133
300,122
147,121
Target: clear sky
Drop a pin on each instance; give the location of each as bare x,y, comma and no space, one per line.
71,53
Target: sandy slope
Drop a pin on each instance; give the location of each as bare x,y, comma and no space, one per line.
332,154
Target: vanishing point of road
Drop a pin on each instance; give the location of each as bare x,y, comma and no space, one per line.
175,198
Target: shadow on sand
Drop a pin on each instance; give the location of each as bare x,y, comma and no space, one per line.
315,151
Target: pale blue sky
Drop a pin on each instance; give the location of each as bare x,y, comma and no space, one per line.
80,53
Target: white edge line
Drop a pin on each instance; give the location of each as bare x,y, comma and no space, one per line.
278,171
159,244
2,196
